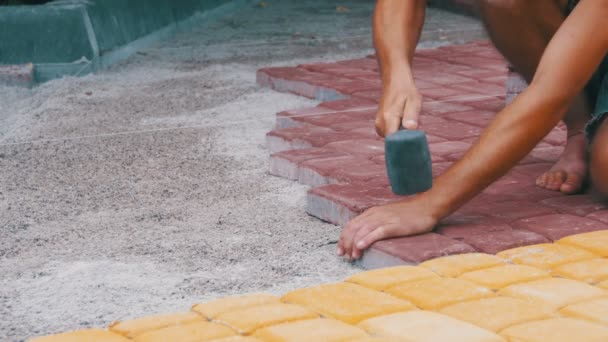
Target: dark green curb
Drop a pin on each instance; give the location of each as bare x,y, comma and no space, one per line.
78,37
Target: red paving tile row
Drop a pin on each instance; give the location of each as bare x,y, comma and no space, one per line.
17,75
334,148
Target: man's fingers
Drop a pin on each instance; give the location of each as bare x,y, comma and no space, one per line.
361,233
392,124
411,112
380,233
380,126
346,237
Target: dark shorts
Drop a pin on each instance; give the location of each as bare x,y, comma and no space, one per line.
597,92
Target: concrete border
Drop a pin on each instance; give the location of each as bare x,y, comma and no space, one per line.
76,37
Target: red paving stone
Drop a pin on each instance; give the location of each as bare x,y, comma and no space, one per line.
555,227
418,248
494,242
334,148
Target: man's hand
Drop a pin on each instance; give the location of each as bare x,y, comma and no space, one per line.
402,218
400,106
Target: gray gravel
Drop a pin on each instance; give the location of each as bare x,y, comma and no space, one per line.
143,189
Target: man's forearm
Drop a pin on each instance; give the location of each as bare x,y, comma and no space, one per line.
510,137
397,28
572,56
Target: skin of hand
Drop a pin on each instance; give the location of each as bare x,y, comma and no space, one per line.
400,106
397,27
571,58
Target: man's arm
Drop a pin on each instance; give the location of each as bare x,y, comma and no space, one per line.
568,63
397,27
571,58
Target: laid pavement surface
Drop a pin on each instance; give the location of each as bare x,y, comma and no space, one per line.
144,188
334,148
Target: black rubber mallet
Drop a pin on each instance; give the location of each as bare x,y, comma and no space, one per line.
408,162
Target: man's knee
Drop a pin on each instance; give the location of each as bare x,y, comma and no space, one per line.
599,160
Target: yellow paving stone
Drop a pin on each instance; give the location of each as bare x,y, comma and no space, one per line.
455,265
91,335
557,330
419,326
325,330
135,327
213,308
546,255
496,313
379,339
589,271
383,278
596,242
553,292
432,294
593,310
193,332
501,276
347,302
237,339
247,320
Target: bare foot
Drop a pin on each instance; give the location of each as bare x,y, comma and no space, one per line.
568,174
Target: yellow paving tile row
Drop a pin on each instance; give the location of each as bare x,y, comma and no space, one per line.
547,292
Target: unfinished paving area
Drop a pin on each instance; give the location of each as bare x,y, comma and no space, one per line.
144,188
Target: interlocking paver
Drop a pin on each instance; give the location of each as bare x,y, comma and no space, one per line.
546,255
555,227
590,271
320,171
193,332
592,310
237,339
505,275
495,242
600,215
496,313
557,330
596,242
418,248
603,284
328,330
577,204
553,292
338,203
459,226
347,302
135,327
361,147
428,326
455,265
387,277
286,164
22,75
248,320
219,306
435,293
